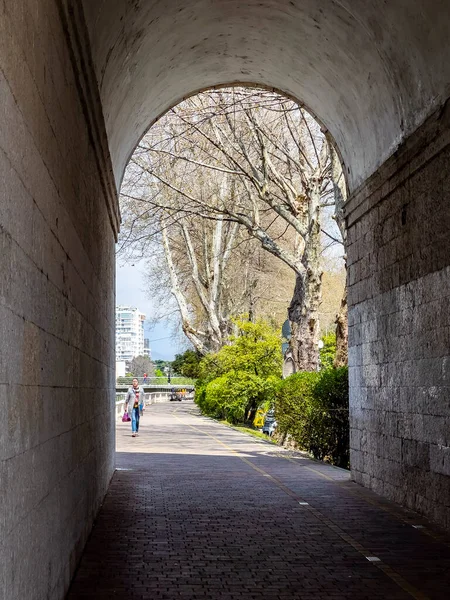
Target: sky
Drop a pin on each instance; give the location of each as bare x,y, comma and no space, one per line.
130,291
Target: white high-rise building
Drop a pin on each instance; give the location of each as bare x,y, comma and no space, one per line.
147,349
129,333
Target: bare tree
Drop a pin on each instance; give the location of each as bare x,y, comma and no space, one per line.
254,159
140,365
340,196
207,259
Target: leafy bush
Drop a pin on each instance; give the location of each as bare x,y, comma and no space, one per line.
245,376
242,376
233,395
313,409
331,394
294,404
328,352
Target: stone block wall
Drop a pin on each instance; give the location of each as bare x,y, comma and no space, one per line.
399,324
57,222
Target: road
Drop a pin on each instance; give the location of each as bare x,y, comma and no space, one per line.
198,510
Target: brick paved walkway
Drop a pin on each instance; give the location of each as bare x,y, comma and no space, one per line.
197,510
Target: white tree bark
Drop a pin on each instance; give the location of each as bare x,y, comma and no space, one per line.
195,337
229,163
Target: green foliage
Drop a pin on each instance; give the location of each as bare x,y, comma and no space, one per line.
294,404
187,364
331,393
233,395
313,409
328,352
159,373
255,349
162,364
310,407
241,377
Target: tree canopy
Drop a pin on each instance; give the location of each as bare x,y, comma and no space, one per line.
187,364
242,376
220,173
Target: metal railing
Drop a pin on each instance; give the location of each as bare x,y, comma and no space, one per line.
151,398
156,381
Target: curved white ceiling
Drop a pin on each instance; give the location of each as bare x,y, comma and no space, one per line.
370,70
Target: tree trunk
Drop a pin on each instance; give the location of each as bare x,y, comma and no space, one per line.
340,197
341,358
304,317
250,412
304,308
194,336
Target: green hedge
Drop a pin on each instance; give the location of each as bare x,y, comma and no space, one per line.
313,409
243,376
233,395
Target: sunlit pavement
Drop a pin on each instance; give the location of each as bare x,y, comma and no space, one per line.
199,510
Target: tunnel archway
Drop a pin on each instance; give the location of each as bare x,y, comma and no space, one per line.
80,84
377,77
153,189
370,73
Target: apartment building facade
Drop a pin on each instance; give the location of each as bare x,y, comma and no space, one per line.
129,333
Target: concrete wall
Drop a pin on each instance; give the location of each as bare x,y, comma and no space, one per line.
56,302
371,71
399,334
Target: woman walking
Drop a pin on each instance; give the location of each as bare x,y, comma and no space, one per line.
135,397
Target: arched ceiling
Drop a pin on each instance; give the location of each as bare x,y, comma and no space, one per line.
370,70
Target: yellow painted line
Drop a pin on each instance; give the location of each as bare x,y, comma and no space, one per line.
387,570
319,473
373,502
443,539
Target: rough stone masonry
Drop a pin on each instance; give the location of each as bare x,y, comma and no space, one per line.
80,82
399,324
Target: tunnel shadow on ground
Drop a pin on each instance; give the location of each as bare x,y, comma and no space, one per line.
210,525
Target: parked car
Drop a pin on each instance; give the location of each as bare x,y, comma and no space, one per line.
270,424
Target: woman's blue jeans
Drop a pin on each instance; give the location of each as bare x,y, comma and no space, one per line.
135,420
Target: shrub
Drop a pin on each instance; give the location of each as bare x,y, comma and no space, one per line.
328,352
332,420
233,396
242,376
215,398
313,409
293,405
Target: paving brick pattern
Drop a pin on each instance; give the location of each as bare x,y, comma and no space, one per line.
199,510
